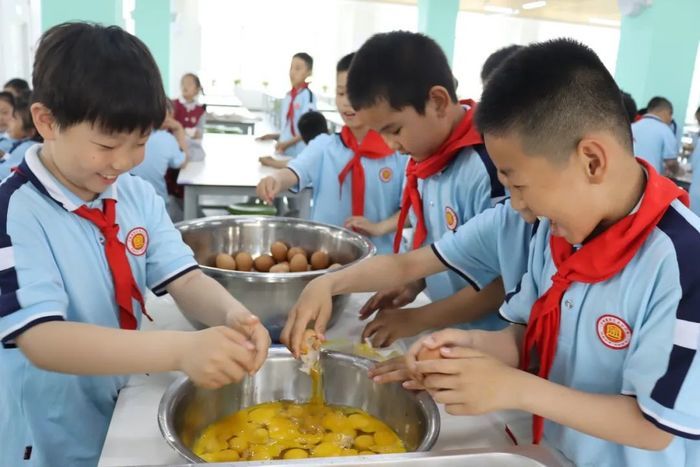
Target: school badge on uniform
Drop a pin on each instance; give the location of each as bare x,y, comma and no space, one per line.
451,218
137,241
385,174
614,332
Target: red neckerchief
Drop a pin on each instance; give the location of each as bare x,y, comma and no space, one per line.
597,260
290,111
464,135
125,287
372,146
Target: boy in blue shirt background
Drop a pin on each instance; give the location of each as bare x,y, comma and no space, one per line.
23,133
7,105
654,140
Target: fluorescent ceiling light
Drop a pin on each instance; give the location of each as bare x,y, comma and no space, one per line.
534,5
604,22
500,9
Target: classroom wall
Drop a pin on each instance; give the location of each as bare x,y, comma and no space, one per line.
54,12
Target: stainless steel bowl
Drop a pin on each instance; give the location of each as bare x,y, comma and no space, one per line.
185,410
270,295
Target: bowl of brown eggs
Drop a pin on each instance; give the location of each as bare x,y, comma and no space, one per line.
265,262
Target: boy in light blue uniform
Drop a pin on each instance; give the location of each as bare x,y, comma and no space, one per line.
80,240
164,150
609,305
23,134
7,105
296,103
455,179
695,163
326,157
654,140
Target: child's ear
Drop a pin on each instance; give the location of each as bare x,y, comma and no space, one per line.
440,100
594,159
44,121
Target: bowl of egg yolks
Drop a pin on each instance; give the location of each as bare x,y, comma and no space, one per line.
245,241
263,417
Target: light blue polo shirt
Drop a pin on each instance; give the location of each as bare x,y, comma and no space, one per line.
162,153
491,244
6,142
654,141
466,187
636,334
53,268
320,163
695,180
304,102
15,156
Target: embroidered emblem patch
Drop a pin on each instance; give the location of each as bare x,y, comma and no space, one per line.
451,218
613,332
385,174
137,241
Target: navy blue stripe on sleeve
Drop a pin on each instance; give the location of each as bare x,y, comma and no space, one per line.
497,190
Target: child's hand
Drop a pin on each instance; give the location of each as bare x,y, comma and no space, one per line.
172,125
281,146
470,382
267,137
217,356
251,327
390,371
314,304
443,338
392,298
268,188
363,225
392,324
269,161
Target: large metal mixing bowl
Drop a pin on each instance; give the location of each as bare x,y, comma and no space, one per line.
185,410
270,295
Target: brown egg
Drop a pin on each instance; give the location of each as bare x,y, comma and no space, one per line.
279,251
225,261
263,263
335,266
295,250
244,261
429,354
298,263
320,260
280,267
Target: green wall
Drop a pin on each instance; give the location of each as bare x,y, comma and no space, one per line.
438,19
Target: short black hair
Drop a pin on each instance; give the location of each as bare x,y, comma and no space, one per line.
659,103
311,124
495,59
7,97
19,85
399,67
630,106
86,72
22,111
344,63
306,58
551,94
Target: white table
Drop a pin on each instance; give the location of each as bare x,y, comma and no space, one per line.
134,437
231,168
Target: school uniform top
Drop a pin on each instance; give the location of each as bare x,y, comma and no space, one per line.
492,244
14,157
654,141
303,102
319,165
6,142
466,187
53,268
695,180
162,153
636,334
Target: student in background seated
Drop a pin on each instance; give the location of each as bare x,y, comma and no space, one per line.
24,135
311,124
17,87
166,148
296,103
187,110
654,140
7,106
695,163
495,60
353,173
